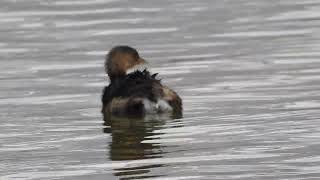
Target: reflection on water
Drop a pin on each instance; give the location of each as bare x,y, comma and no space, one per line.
247,71
128,142
127,136
140,172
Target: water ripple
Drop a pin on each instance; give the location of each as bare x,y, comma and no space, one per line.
247,72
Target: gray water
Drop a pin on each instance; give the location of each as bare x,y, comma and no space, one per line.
247,71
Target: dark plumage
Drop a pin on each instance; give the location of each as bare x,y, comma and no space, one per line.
137,84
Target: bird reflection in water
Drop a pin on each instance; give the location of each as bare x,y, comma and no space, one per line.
128,136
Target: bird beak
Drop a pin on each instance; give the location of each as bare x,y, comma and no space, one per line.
142,61
141,65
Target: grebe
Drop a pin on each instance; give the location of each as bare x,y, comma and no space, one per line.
137,93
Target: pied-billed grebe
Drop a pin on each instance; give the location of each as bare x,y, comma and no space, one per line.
137,93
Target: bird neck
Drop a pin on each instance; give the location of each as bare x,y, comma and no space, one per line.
116,78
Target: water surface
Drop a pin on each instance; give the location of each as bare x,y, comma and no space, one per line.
247,71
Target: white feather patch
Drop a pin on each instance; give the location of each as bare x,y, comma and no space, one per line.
139,67
161,106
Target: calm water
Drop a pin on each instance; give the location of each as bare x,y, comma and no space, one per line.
247,70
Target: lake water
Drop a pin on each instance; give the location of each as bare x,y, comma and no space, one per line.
247,71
